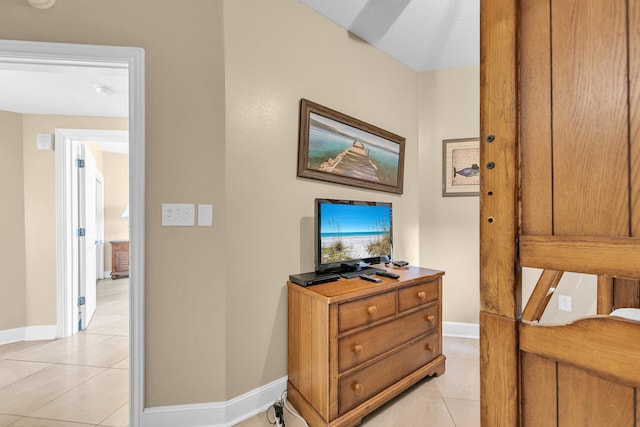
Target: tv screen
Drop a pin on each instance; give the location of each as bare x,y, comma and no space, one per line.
351,233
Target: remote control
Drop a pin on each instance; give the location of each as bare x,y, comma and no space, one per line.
387,274
400,263
369,278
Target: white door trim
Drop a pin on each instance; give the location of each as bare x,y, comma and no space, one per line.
133,59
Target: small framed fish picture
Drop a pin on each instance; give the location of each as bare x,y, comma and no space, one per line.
338,148
461,167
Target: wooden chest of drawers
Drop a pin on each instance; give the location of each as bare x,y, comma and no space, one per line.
119,258
353,344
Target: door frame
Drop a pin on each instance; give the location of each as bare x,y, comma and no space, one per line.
133,59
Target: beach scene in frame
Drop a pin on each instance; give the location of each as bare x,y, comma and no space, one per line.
338,148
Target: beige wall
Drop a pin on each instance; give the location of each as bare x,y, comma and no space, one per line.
116,197
40,210
216,297
32,228
278,52
185,162
12,258
449,228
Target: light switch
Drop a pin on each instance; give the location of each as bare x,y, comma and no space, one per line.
205,215
178,215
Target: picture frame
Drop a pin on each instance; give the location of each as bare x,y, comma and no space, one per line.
461,167
335,147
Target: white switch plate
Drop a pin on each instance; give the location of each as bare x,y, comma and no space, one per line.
565,303
45,142
205,215
178,215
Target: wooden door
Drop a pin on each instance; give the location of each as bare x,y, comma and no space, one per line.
560,158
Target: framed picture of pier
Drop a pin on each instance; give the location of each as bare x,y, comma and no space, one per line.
338,148
460,167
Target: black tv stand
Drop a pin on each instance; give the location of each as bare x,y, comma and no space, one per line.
346,268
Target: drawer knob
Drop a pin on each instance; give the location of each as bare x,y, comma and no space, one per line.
422,295
429,318
359,388
429,347
357,349
372,310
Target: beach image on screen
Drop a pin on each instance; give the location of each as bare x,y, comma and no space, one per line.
350,232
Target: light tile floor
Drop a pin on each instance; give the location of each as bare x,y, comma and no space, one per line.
82,381
451,400
79,381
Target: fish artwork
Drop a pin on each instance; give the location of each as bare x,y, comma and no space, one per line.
468,172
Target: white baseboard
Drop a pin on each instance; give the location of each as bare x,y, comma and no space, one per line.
461,330
28,333
236,410
216,414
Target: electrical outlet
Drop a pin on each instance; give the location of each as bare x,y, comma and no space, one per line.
565,303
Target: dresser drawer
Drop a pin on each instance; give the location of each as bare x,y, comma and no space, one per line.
365,345
417,295
361,385
366,310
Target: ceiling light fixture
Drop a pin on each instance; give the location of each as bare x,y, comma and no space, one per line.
41,4
103,90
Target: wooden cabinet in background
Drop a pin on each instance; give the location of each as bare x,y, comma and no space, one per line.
119,258
354,344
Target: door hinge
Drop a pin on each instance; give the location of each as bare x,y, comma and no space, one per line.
81,301
81,232
79,163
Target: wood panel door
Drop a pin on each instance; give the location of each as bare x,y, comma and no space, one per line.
560,165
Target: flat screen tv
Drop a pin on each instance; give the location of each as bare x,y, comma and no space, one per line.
351,234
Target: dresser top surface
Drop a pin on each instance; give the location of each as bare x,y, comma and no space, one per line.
408,276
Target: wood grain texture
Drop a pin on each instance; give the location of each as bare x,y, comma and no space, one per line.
541,295
500,286
499,371
588,400
498,185
330,383
590,112
617,257
605,295
589,344
539,391
634,114
626,293
535,121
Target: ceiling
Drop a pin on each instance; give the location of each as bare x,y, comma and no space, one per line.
425,35
65,88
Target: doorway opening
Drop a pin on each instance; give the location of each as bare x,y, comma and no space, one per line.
34,54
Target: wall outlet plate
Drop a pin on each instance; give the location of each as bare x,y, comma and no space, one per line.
565,303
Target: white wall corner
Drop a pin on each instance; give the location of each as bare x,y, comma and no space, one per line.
216,414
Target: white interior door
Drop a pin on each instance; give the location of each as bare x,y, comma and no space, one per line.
99,226
87,239
74,210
